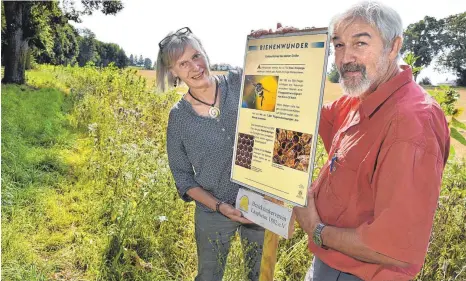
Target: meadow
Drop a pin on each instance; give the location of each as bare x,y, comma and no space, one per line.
87,193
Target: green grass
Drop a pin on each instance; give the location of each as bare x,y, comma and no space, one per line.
43,211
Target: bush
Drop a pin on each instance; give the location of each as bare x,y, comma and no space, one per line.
446,257
333,74
426,81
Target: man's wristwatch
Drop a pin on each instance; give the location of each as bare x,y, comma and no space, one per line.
317,235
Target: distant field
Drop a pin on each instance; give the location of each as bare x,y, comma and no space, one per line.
150,75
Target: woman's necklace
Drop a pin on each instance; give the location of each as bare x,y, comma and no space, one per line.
214,111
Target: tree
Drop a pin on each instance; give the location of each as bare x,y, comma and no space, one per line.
147,63
66,46
54,40
100,53
131,60
333,74
121,59
453,56
87,47
423,40
140,61
19,29
445,37
3,30
426,81
25,19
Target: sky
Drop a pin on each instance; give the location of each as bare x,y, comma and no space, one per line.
222,26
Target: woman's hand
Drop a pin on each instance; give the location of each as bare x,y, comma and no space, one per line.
280,30
232,213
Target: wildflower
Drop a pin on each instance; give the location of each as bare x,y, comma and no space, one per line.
92,127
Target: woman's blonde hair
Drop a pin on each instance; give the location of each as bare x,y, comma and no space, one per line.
171,51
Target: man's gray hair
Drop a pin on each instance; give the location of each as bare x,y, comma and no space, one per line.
171,52
383,18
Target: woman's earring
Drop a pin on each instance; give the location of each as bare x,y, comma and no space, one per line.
175,84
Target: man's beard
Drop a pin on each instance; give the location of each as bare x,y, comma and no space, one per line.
356,86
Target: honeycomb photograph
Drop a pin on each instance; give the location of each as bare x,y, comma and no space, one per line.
244,150
292,149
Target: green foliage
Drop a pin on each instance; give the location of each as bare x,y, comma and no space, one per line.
147,63
410,59
425,81
43,25
45,19
141,60
422,39
447,97
36,227
454,38
28,136
446,258
333,74
87,47
100,53
430,37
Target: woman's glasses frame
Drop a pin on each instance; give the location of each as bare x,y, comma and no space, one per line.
179,32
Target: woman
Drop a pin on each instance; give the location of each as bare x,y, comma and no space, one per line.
200,140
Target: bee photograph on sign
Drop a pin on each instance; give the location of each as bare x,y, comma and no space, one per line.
260,92
292,149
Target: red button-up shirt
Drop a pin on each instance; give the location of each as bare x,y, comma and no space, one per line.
389,153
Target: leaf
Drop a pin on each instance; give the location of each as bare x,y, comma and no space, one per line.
452,152
457,124
457,136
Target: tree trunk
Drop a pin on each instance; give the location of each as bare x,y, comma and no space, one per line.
16,45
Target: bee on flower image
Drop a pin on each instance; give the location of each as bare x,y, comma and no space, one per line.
260,92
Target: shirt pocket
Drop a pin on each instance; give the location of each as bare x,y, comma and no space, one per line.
323,196
341,187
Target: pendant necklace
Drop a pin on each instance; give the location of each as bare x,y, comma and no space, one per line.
214,111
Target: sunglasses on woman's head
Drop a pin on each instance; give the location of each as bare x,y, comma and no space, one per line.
179,32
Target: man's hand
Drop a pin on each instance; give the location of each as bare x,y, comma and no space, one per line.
308,217
280,29
234,214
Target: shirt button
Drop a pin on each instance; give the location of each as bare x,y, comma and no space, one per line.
223,129
228,137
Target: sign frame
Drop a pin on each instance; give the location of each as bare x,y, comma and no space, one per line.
315,31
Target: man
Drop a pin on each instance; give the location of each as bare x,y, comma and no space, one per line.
370,212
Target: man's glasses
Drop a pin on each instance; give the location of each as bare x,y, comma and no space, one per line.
179,32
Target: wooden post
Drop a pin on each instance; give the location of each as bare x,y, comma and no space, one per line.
269,256
269,251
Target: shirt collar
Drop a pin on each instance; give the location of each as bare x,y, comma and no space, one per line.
385,90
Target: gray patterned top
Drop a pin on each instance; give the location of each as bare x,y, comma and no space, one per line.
200,149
